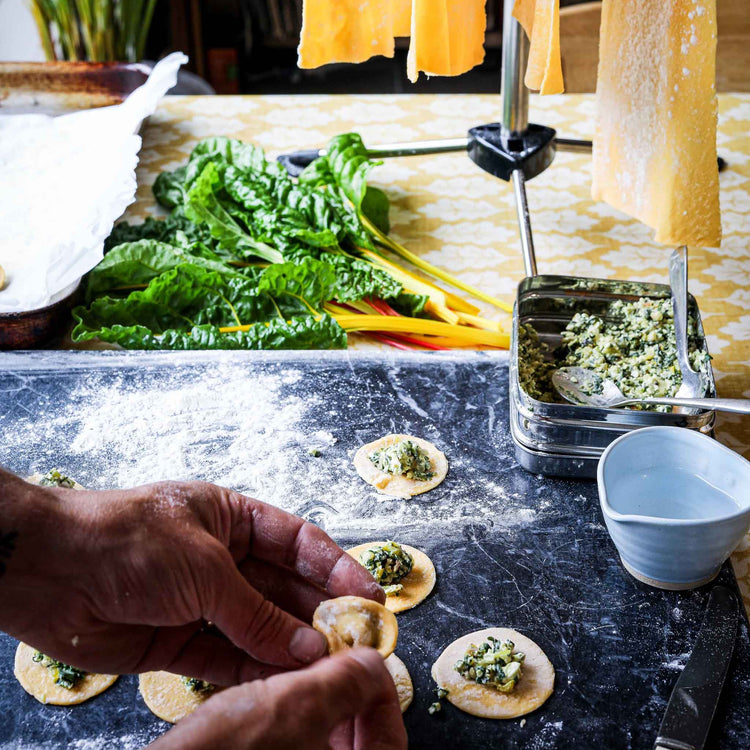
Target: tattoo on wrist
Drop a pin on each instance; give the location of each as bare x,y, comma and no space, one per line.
7,545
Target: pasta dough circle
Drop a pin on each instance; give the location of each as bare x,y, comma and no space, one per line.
37,479
397,485
37,680
167,697
402,681
418,583
351,621
533,689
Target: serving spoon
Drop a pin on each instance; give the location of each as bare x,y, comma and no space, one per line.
573,382
692,381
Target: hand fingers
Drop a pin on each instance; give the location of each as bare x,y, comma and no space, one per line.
284,539
342,737
283,587
252,623
349,684
214,659
381,727
299,709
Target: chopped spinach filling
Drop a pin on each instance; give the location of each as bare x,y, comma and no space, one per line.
633,345
388,564
404,457
493,662
437,706
194,685
65,675
54,478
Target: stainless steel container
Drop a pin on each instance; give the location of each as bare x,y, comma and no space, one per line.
565,439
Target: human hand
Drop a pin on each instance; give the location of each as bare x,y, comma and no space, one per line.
125,581
345,701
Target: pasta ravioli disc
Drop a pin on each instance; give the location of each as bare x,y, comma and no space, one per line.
39,681
167,697
396,485
533,689
418,583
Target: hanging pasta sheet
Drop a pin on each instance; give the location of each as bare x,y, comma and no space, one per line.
447,38
541,22
349,31
655,135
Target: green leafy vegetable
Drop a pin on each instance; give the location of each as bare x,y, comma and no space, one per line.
55,478
346,166
64,675
250,258
203,206
184,306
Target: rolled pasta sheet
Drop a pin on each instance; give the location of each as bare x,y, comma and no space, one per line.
541,22
349,31
447,38
655,137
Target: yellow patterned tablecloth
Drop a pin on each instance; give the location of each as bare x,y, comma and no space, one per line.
453,214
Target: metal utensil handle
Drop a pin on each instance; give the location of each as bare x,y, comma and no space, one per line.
678,281
734,405
524,222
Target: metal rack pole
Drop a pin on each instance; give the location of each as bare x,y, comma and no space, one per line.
515,118
515,53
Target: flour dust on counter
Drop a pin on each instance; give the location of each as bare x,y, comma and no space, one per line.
271,434
509,547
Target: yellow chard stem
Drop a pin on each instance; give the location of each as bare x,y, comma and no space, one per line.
479,322
422,326
439,273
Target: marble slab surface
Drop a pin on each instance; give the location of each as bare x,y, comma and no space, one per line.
511,548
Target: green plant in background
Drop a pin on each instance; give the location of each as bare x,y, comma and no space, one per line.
95,30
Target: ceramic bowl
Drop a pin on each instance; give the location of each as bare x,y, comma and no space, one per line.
675,502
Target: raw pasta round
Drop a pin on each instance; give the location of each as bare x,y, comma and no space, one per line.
350,621
418,583
37,478
167,696
402,680
397,485
39,681
533,689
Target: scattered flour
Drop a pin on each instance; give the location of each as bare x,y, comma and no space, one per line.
253,430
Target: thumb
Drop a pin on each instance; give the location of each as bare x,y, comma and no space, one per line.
299,709
351,684
257,626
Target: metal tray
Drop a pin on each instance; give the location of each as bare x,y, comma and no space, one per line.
556,438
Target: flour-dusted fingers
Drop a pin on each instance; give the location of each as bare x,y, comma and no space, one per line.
300,709
285,588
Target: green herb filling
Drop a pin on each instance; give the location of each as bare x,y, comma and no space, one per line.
54,478
437,706
633,345
65,675
194,685
406,458
388,564
494,663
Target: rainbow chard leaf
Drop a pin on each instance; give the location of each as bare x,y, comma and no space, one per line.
185,306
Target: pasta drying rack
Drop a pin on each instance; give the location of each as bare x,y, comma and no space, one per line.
513,149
